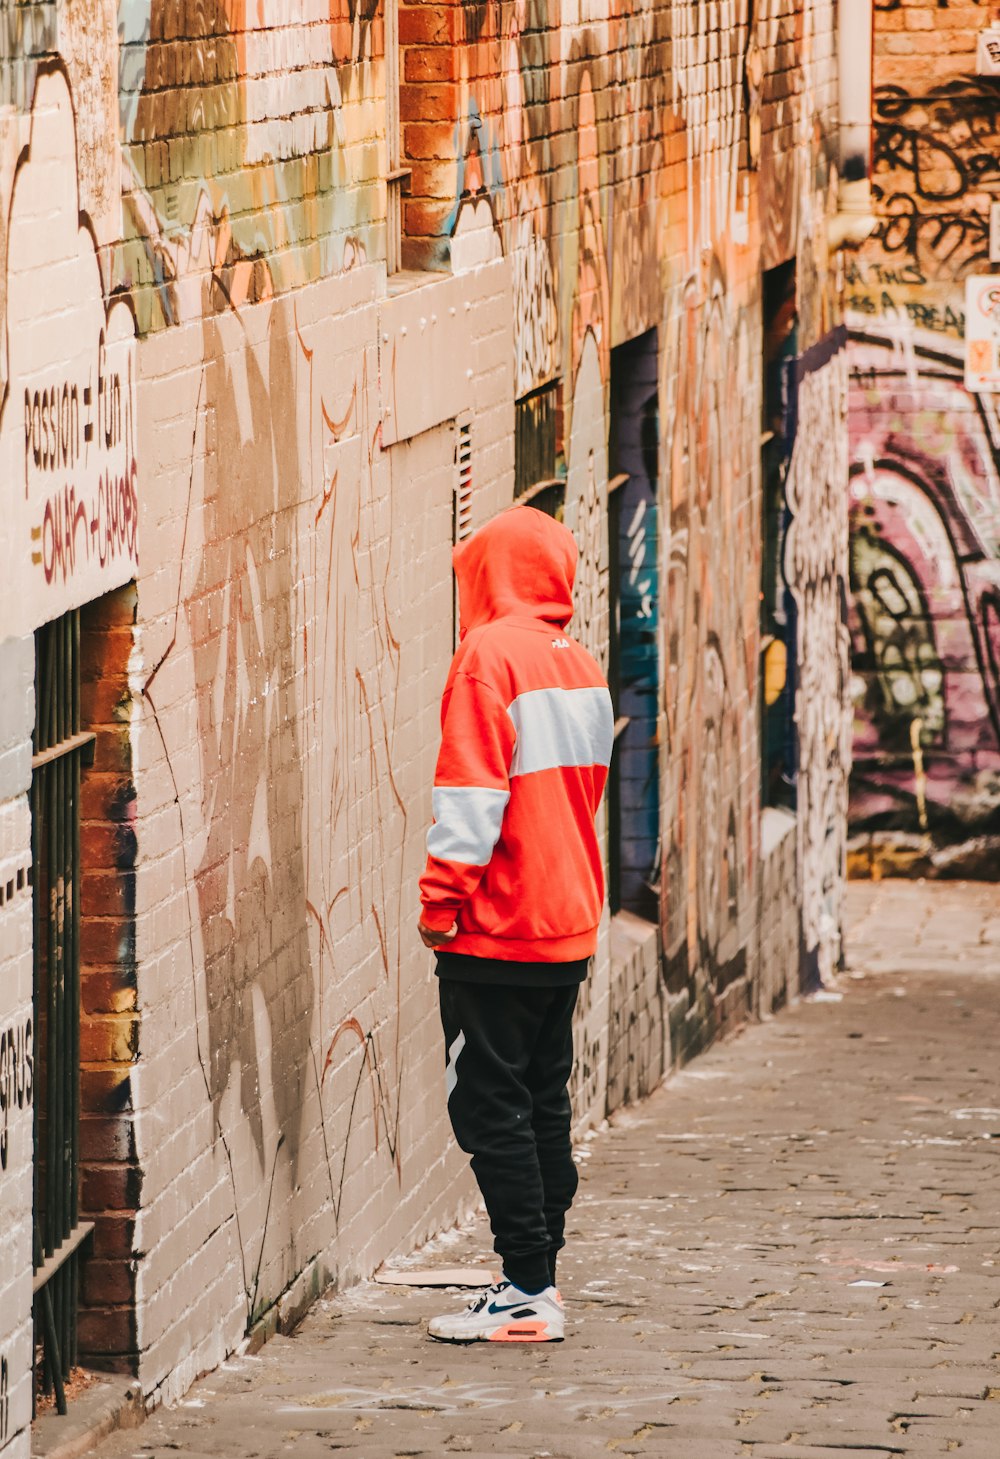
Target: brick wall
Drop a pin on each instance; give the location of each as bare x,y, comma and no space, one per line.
290,1116
779,927
265,130
17,712
262,1060
638,1043
925,524
109,1015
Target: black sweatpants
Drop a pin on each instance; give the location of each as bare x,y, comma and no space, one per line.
509,1056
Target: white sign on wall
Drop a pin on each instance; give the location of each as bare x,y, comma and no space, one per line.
982,332
988,52
68,459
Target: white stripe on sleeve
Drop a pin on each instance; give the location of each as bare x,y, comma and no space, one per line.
467,821
558,727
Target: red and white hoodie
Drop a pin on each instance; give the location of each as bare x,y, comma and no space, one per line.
526,735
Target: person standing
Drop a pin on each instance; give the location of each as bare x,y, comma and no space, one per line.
511,899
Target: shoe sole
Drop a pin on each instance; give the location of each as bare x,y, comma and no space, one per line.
513,1332
524,1332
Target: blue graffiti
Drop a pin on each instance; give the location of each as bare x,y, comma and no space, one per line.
635,443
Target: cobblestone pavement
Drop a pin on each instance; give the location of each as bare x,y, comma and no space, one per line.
790,1252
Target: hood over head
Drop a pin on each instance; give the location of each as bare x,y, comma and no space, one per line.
521,564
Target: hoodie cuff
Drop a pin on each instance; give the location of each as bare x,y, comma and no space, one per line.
437,918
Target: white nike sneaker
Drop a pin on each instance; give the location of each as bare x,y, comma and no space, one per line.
503,1313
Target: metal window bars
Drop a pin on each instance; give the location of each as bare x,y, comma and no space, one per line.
59,746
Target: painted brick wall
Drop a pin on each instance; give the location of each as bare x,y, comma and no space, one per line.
264,127
635,183
925,509
263,515
290,1115
778,926
17,713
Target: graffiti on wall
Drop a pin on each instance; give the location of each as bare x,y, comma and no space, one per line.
4,1400
709,43
517,74
881,288
16,1077
924,537
635,437
586,516
536,316
936,164
816,572
925,581
274,662
292,185
250,880
778,30
288,634
295,948
359,819
710,616
935,174
68,433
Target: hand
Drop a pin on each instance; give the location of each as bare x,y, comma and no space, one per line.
432,938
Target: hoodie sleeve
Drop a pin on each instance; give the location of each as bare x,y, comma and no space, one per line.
471,791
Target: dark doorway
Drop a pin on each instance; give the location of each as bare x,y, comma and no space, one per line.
634,528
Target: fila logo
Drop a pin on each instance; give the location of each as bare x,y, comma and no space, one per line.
560,643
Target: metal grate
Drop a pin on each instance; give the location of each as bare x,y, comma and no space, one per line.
59,748
461,526
463,482
536,439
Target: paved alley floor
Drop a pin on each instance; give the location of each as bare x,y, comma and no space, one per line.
792,1251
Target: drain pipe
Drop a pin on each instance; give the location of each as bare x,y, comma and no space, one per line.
854,220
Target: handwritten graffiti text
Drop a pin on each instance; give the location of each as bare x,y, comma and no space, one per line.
16,1077
99,528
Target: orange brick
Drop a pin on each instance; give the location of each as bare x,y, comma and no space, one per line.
108,990
106,796
106,893
105,701
432,179
424,219
425,63
428,103
103,939
429,25
109,1039
428,140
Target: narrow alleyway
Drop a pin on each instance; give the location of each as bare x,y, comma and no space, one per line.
790,1251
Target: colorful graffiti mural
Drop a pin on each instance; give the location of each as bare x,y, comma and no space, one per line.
925,578
282,175
816,572
925,468
710,613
